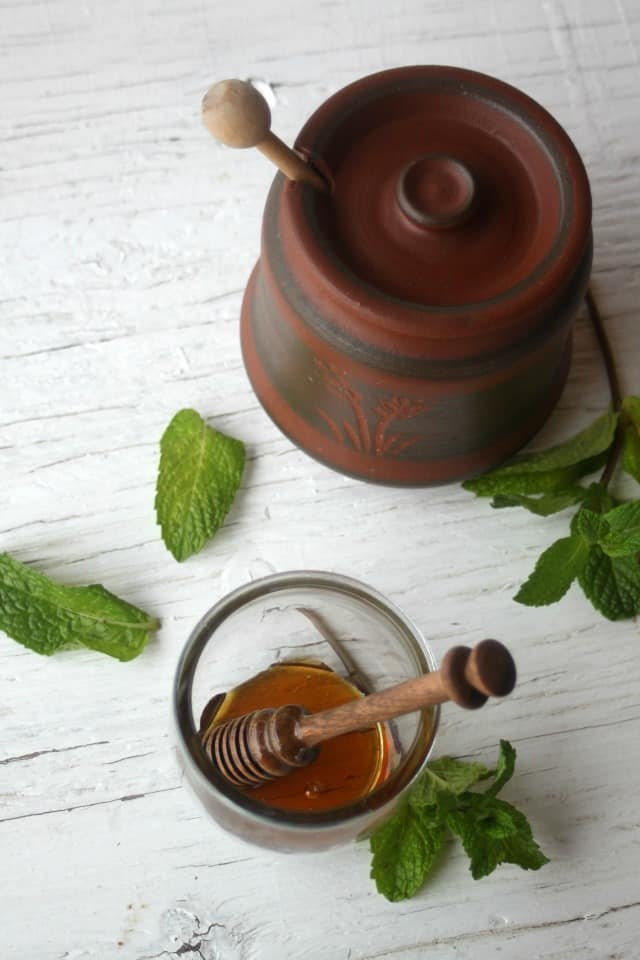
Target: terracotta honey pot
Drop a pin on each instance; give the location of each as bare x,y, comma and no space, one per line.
424,255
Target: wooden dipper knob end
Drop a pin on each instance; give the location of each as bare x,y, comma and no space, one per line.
469,677
237,114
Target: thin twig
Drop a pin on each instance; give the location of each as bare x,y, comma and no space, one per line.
607,352
614,385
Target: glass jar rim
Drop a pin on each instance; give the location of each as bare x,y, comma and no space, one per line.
200,767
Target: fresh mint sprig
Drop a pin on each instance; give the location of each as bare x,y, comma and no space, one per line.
406,848
602,552
198,477
47,616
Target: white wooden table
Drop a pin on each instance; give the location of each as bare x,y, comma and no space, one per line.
126,238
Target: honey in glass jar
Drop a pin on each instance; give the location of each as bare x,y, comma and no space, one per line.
347,767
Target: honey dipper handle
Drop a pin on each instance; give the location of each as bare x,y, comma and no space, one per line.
237,114
468,677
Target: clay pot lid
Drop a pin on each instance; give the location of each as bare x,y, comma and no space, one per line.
458,204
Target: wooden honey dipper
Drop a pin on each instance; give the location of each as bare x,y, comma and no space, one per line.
237,114
269,743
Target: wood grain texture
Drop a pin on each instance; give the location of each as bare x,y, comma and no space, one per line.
126,239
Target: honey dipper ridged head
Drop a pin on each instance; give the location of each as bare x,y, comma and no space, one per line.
258,747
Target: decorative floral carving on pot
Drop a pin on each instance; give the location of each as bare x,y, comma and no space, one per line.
375,438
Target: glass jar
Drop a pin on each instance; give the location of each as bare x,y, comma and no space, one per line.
301,616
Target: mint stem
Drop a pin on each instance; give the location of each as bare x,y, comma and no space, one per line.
614,384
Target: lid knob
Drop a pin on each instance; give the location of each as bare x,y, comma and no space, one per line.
436,191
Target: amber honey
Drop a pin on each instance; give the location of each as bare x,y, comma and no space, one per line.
346,769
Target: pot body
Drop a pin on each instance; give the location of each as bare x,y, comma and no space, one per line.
408,361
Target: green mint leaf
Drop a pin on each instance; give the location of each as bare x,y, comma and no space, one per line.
590,442
554,572
612,584
446,774
598,499
47,616
588,524
200,471
553,470
404,850
504,769
543,506
630,423
494,832
620,530
531,482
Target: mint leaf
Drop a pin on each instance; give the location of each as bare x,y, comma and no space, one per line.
553,470
588,525
504,768
612,584
598,499
554,572
508,480
590,442
494,832
199,474
47,616
620,530
446,774
543,506
404,850
630,424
